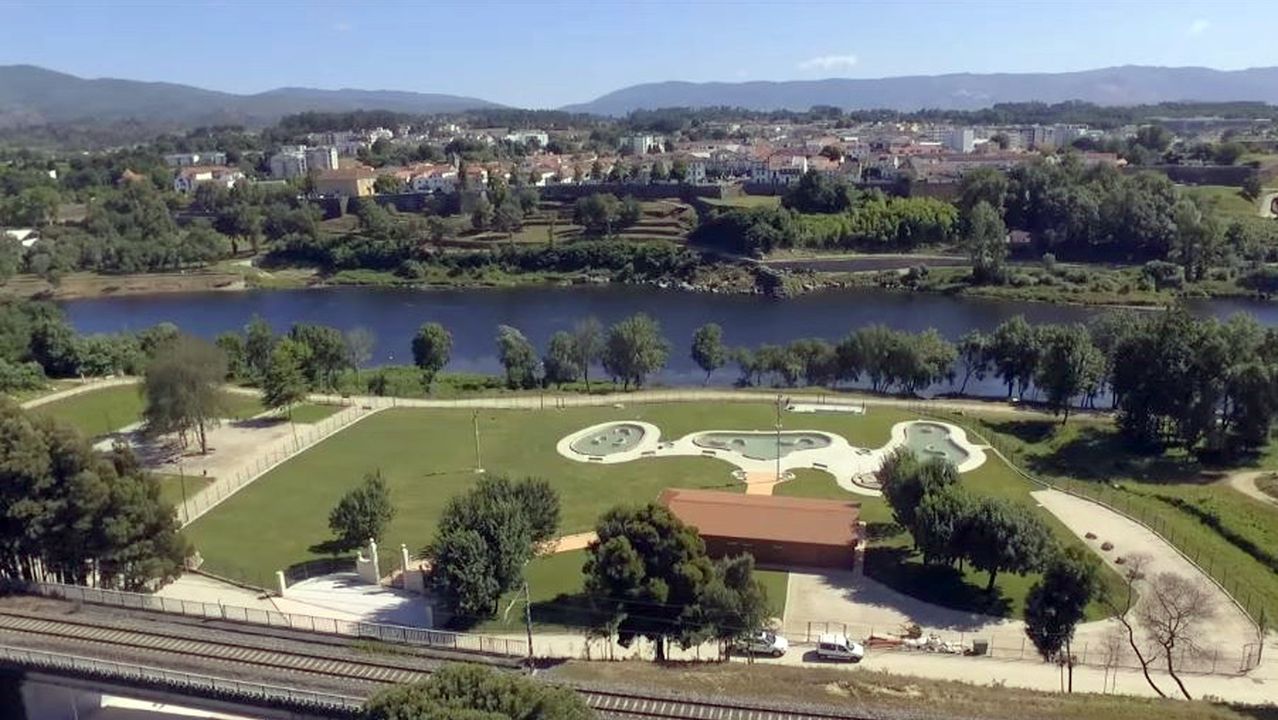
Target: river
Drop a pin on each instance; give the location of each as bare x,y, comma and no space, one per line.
473,316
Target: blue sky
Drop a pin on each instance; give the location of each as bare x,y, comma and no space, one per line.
545,54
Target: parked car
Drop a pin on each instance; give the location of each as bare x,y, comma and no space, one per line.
761,643
837,647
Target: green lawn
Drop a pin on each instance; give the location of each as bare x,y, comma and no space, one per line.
745,201
103,411
1227,201
50,387
1268,484
775,582
1233,537
427,456
172,487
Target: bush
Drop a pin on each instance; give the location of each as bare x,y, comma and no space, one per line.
1164,275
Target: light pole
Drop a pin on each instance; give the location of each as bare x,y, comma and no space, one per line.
479,465
778,437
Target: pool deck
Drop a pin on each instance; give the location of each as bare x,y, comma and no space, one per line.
845,462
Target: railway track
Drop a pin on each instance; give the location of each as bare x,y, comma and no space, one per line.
372,674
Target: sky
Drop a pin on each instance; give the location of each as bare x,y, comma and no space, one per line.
547,54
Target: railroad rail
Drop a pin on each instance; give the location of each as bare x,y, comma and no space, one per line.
363,676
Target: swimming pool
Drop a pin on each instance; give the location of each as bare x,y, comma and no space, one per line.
929,440
761,445
609,439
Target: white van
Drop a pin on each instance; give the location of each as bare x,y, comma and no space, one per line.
838,647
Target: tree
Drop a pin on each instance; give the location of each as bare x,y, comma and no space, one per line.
481,216
182,388
363,513
644,576
518,356
734,604
432,347
326,353
386,184
457,691
1003,537
508,217
974,353
560,361
1058,602
1069,365
1252,187
635,349
819,193
71,514
982,184
232,345
906,480
1175,617
360,342
284,383
940,521
484,538
708,351
1014,352
259,341
597,213
986,243
587,346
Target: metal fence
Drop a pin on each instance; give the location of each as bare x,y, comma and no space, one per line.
207,498
1108,651
462,642
203,685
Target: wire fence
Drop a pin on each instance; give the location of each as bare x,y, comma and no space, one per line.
463,642
209,497
1131,506
1109,650
198,684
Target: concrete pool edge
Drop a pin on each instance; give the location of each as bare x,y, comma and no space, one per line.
975,453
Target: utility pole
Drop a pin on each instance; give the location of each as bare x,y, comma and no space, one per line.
528,623
479,465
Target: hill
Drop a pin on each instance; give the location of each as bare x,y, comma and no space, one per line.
32,95
1127,85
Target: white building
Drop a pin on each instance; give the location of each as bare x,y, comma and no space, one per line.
960,139
321,158
439,178
189,177
524,136
200,158
289,162
641,144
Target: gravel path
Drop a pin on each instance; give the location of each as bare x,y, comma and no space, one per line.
1245,483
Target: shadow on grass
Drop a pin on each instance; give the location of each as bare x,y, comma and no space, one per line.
1100,454
878,531
900,569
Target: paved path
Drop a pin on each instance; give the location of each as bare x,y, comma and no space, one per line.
1245,483
87,386
568,543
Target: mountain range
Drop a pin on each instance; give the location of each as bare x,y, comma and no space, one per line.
31,95
1126,85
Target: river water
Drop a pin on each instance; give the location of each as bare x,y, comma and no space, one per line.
473,316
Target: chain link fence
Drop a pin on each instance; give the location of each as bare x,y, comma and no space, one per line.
1107,651
401,634
207,498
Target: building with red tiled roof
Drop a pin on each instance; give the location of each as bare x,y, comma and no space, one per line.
778,531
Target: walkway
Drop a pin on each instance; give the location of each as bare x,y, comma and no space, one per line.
86,386
1245,483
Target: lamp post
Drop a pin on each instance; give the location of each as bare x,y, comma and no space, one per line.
479,465
778,437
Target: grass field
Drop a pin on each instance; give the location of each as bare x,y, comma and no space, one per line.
1227,201
1232,536
427,456
171,487
1268,484
50,387
103,411
745,201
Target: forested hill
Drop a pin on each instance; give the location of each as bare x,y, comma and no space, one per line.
32,95
1125,85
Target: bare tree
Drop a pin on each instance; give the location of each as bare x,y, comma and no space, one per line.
1173,616
1133,571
